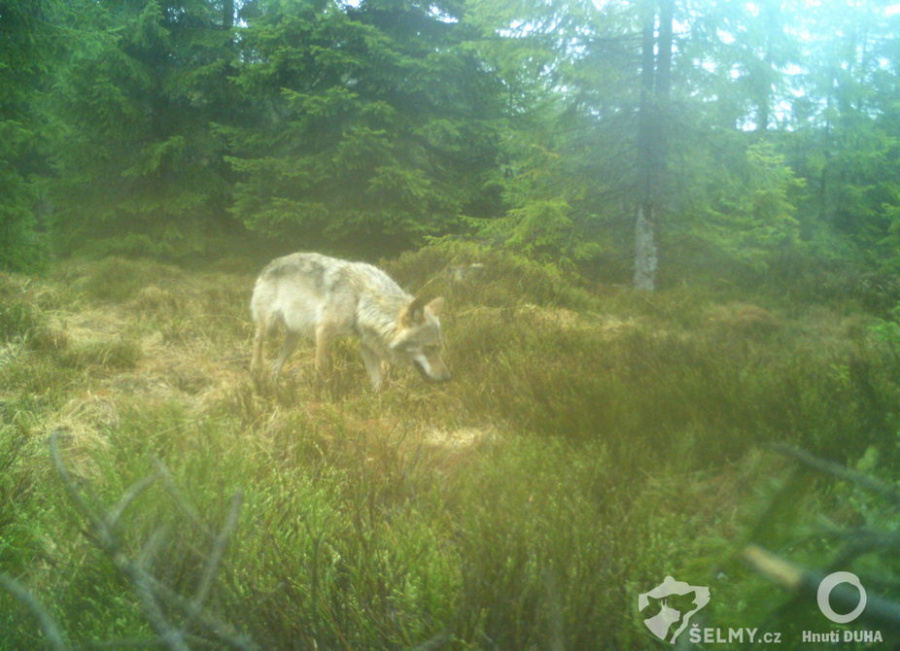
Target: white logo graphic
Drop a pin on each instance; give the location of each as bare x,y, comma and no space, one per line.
661,623
828,584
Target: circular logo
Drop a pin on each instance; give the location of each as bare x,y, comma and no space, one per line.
828,584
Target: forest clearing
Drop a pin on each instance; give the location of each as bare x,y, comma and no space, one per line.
589,445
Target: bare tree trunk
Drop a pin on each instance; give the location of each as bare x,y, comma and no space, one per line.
645,252
646,255
656,66
664,53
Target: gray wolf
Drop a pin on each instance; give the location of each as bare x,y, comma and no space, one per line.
319,297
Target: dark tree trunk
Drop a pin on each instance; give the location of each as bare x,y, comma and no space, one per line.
227,14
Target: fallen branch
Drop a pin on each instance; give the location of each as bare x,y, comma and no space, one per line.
161,605
48,625
805,582
886,491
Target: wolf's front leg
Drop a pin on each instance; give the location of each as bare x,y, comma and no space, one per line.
325,334
256,361
373,366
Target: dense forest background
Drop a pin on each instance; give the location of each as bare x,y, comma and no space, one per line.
744,139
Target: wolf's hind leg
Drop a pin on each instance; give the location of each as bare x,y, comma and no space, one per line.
290,342
256,361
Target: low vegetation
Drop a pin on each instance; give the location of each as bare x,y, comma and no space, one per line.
593,442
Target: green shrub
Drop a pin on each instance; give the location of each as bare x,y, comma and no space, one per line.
472,274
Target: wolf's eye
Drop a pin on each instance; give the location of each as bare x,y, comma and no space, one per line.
406,348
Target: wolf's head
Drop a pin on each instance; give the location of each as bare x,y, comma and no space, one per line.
418,339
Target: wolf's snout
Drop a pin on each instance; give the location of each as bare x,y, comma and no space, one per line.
432,375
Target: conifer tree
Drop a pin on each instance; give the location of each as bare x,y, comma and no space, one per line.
28,47
140,169
371,126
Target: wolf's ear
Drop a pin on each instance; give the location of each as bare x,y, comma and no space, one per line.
414,313
436,306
